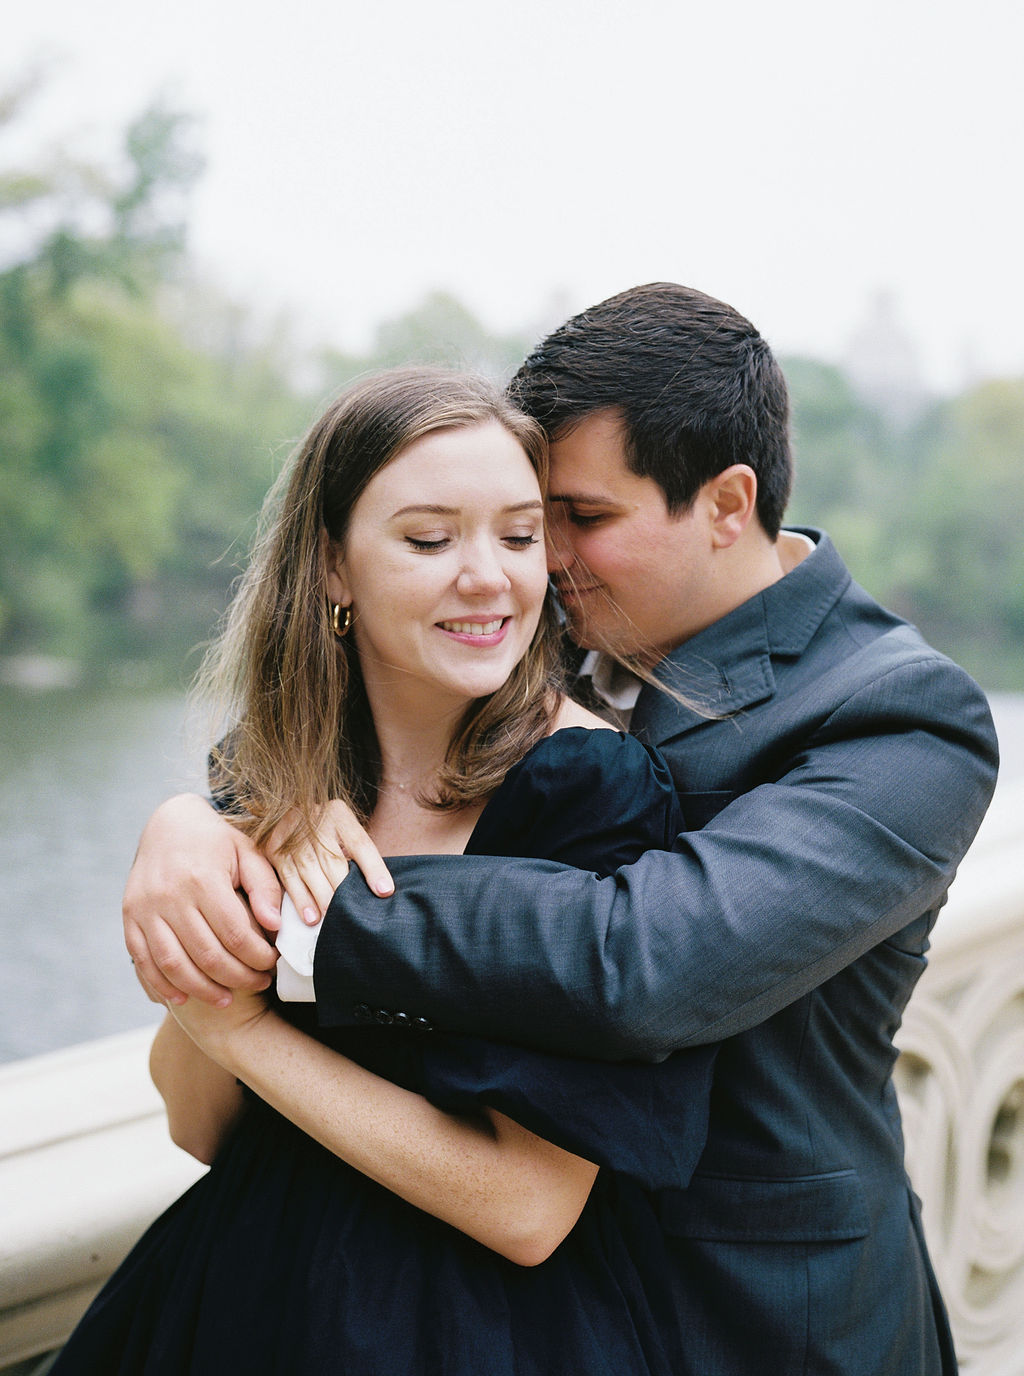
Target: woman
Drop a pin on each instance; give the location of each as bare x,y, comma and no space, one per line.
394,1199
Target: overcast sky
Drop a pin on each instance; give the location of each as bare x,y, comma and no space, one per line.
794,158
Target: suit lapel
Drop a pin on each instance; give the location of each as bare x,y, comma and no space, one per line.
715,672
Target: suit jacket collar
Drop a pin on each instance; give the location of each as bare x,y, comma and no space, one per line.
728,666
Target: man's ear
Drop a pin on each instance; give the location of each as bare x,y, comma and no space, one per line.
334,566
732,499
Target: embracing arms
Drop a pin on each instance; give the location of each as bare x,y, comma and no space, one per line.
483,1174
852,830
855,833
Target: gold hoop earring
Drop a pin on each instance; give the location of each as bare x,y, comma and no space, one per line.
341,627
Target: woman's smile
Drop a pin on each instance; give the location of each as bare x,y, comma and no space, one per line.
485,631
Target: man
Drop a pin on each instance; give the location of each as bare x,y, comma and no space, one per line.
832,770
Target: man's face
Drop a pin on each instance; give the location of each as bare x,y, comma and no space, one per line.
630,575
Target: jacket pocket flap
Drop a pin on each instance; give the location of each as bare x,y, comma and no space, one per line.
808,1208
700,808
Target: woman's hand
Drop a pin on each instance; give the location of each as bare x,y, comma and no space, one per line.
219,1031
311,873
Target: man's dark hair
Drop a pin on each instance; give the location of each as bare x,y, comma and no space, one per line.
696,385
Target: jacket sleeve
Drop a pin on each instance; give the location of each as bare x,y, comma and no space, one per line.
857,834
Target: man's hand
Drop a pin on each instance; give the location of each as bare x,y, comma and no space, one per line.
196,899
312,873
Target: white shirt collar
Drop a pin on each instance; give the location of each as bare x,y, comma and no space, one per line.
616,686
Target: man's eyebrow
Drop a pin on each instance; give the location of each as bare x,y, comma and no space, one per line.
581,498
434,509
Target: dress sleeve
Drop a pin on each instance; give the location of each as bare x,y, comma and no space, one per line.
595,800
648,1122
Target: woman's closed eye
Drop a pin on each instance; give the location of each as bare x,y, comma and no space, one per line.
432,544
428,543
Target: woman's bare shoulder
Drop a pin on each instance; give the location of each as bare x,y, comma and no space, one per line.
570,713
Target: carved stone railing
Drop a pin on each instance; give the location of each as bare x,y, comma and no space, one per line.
961,1084
86,1163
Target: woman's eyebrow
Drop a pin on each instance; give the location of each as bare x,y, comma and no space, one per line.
426,508
433,509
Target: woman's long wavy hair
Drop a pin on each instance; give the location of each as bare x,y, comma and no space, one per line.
301,731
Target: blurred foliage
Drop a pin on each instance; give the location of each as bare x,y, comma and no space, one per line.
140,426
929,515
132,459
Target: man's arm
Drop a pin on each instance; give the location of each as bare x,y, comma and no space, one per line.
859,834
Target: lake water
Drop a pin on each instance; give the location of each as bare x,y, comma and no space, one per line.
78,776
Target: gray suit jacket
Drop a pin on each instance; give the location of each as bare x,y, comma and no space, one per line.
827,806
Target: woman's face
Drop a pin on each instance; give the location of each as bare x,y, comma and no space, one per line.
443,565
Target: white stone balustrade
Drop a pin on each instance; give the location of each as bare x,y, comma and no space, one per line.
961,1083
86,1163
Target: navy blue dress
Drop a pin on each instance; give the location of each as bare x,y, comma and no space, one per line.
284,1261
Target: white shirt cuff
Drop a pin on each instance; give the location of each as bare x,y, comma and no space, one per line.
296,946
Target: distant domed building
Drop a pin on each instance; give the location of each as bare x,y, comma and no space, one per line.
882,363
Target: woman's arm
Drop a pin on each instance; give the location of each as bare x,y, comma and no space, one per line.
203,1100
487,1176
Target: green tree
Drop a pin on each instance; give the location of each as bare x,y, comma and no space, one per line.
130,461
928,518
961,574
845,455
